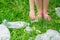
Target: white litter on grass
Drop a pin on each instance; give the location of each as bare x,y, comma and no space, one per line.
28,29
57,11
4,32
49,35
18,24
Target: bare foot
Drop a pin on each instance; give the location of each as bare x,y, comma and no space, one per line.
39,15
46,16
32,15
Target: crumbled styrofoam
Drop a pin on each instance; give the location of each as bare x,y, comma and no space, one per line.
57,10
49,35
4,32
18,24
28,29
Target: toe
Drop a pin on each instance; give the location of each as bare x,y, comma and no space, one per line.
47,17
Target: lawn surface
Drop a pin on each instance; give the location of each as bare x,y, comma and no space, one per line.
13,10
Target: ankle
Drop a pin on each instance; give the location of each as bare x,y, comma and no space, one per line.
45,12
40,13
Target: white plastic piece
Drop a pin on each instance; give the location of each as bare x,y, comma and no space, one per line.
28,29
57,11
18,24
51,32
49,35
4,32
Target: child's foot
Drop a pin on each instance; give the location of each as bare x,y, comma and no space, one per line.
46,16
39,15
32,15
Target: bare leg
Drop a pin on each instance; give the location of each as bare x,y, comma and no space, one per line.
45,5
32,13
45,8
39,7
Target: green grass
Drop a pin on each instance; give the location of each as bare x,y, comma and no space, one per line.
13,10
